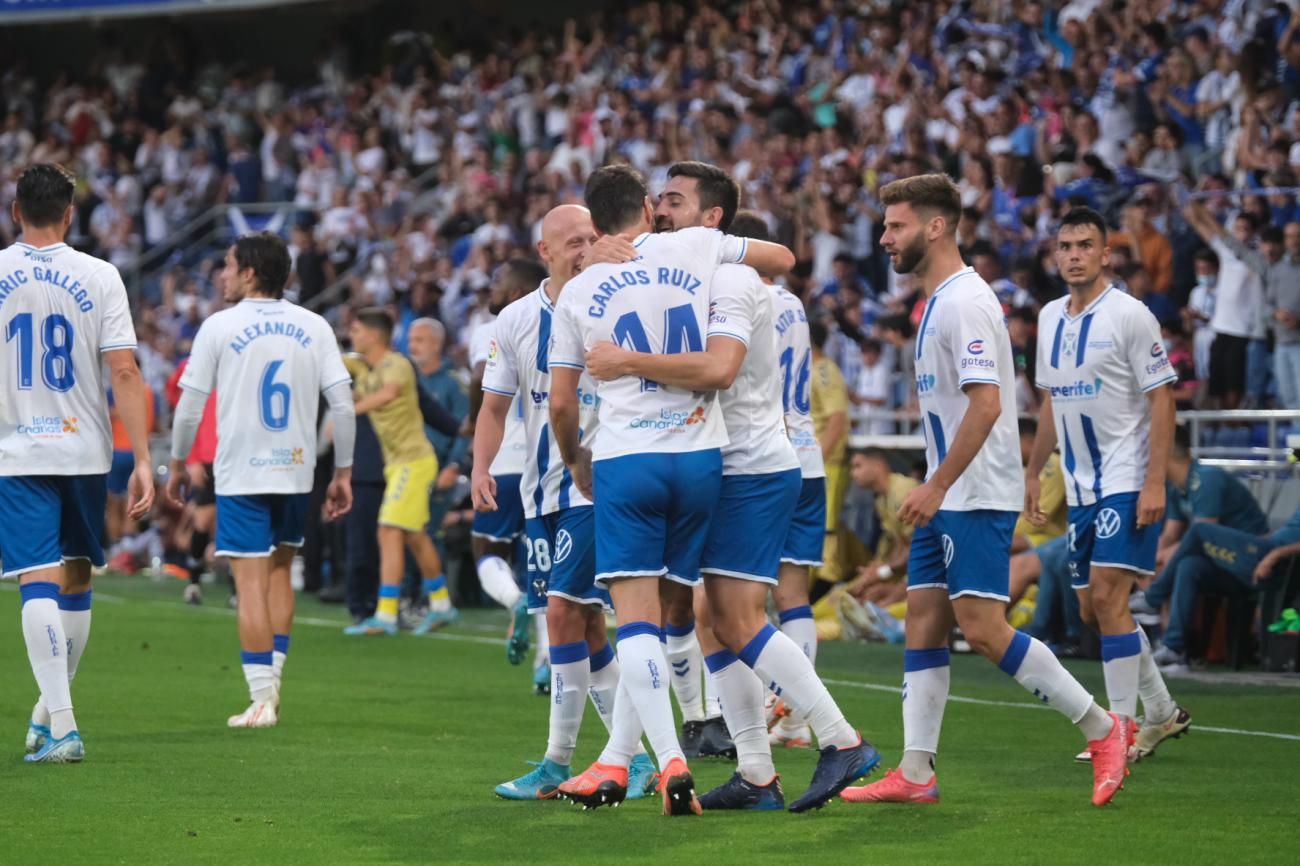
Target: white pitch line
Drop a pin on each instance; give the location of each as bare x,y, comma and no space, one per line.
1023,705
854,684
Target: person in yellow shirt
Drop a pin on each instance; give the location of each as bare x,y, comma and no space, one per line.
384,385
1026,565
880,577
830,413
1052,501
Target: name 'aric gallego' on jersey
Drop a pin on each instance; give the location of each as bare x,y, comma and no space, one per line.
12,281
678,277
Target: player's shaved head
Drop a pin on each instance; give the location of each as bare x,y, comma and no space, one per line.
567,234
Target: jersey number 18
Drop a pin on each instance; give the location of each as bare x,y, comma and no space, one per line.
56,359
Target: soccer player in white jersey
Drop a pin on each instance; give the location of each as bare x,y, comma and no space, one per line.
494,533
806,534
1105,381
270,362
656,462
561,524
965,512
761,482
63,315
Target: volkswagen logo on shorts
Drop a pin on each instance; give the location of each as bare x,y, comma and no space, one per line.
947,550
1107,523
563,544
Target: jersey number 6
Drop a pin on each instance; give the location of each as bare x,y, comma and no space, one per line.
275,399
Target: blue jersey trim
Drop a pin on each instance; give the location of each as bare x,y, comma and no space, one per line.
499,391
940,443
571,364
1056,344
1167,381
544,341
925,321
1083,338
1094,451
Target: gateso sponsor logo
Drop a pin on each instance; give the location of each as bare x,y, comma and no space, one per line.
279,458
975,347
1079,390
669,421
49,425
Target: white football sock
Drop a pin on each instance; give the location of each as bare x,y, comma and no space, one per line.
1121,661
279,652
788,672
645,678
498,581
712,703
543,653
1157,704
40,715
47,651
1032,665
604,697
624,732
741,692
687,662
798,624
570,679
74,610
926,675
259,674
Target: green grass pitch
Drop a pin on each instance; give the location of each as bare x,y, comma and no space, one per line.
388,750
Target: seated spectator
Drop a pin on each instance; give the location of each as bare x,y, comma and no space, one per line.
1196,494
878,575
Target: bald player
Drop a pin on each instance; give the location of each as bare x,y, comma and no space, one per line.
558,518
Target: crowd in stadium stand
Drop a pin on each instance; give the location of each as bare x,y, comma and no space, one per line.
413,181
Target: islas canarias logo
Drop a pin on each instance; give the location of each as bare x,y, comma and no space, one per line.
670,421
50,426
280,458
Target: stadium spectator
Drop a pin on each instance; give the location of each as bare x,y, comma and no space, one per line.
1197,493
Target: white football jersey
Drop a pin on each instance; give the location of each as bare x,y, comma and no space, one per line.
1097,367
514,447
794,348
741,308
657,303
521,367
964,340
269,360
59,309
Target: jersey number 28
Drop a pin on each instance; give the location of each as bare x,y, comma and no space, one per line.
56,360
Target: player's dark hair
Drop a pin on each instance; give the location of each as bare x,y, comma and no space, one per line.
526,273
377,319
44,194
615,195
928,194
748,224
1085,216
817,333
1028,427
715,187
874,453
268,257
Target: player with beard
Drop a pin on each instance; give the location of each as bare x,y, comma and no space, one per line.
965,512
760,489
